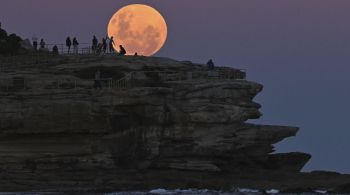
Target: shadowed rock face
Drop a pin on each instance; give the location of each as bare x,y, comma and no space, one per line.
188,125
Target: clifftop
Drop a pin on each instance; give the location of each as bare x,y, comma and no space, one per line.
151,118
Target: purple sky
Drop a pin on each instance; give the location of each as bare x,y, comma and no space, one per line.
299,49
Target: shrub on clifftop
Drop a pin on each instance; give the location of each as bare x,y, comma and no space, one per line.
9,44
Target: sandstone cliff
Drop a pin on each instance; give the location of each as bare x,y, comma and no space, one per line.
151,114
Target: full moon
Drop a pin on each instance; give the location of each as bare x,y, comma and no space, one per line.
139,29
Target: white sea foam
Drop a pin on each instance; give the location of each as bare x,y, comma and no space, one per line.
160,191
247,190
321,191
183,191
238,191
272,191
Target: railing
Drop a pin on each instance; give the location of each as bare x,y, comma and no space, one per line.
124,83
21,83
14,62
166,76
81,49
11,63
46,54
130,80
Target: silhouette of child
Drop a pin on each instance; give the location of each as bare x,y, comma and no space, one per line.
55,49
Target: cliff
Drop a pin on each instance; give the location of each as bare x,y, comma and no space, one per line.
155,122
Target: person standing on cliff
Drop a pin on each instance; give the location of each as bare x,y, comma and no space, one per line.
35,42
68,44
104,45
210,65
94,44
75,45
42,44
211,71
111,44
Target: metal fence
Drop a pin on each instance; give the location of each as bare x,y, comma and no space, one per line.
81,49
130,80
37,59
15,62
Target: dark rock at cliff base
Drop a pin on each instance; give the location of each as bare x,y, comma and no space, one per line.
155,122
344,188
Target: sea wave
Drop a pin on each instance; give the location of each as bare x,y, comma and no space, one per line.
235,191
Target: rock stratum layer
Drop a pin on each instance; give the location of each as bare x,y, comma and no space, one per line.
155,123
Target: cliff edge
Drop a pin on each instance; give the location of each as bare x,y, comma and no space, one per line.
145,122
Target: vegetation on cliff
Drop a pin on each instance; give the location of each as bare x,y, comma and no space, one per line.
9,44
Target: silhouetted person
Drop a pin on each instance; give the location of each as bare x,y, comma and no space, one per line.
104,45
210,65
111,45
94,43
122,51
75,45
55,50
68,44
35,42
136,54
42,44
99,48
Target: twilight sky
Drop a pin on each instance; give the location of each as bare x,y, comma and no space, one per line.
299,50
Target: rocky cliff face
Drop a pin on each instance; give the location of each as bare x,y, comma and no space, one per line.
151,114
